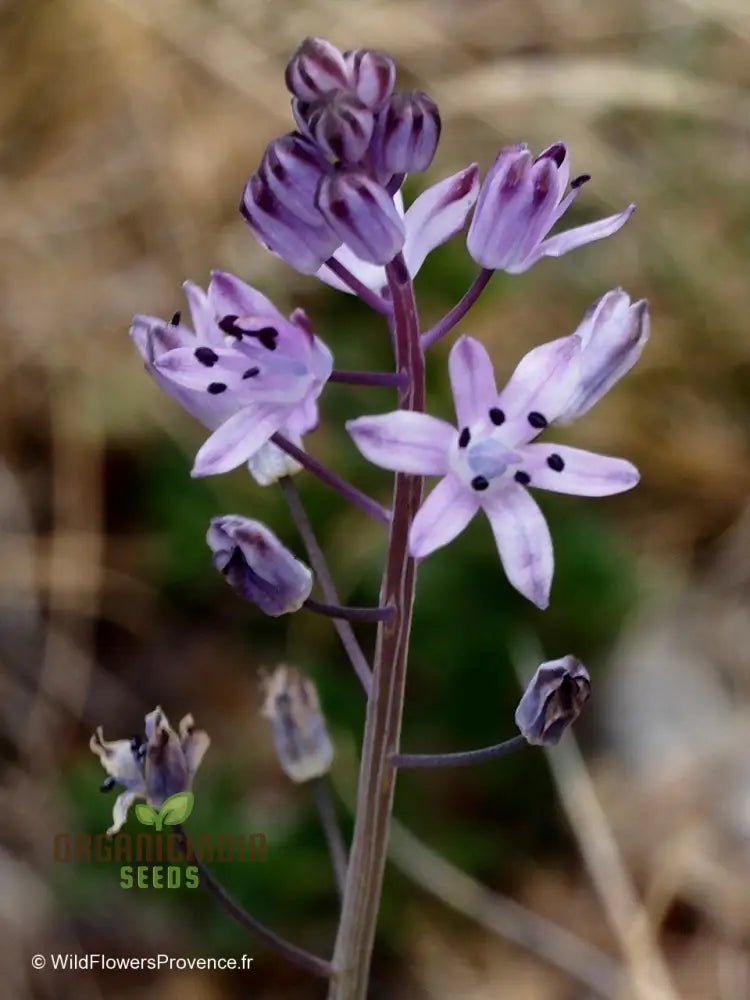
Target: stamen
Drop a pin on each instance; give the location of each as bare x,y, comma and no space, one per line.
580,180
497,416
175,320
479,483
107,784
229,325
464,437
216,388
537,420
206,356
251,372
523,478
556,462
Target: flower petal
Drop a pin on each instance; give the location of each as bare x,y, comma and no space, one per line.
523,541
572,470
472,378
438,214
444,515
153,337
231,297
238,438
194,742
118,759
540,388
560,244
252,375
404,441
204,318
120,810
372,275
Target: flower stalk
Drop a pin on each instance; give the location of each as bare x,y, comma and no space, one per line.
462,758
330,478
361,901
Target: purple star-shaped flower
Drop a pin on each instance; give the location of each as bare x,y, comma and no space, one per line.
246,372
493,457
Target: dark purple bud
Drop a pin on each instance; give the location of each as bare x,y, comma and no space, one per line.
406,135
341,125
317,68
257,566
292,168
300,735
372,75
302,245
363,215
553,700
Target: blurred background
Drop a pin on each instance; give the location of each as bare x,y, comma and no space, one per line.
619,867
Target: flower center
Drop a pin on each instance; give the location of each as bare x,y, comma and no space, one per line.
479,460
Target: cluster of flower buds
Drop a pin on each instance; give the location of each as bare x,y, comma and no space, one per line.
153,769
331,183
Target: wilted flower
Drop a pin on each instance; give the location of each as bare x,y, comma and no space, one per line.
162,766
300,736
520,201
257,565
613,334
432,219
492,458
246,372
553,700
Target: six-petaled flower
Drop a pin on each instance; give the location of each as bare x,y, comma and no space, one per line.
245,371
489,461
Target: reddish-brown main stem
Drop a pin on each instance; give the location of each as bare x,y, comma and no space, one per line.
377,777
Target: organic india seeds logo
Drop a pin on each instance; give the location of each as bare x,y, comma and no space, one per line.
156,859
175,810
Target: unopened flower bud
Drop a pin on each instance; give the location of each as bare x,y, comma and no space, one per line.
613,334
303,245
341,125
372,75
257,565
363,215
406,134
521,199
292,168
553,700
316,69
300,736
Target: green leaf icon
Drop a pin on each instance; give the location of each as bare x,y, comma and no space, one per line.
146,814
176,809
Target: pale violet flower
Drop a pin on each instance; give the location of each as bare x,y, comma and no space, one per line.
154,770
433,218
490,460
521,199
244,371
